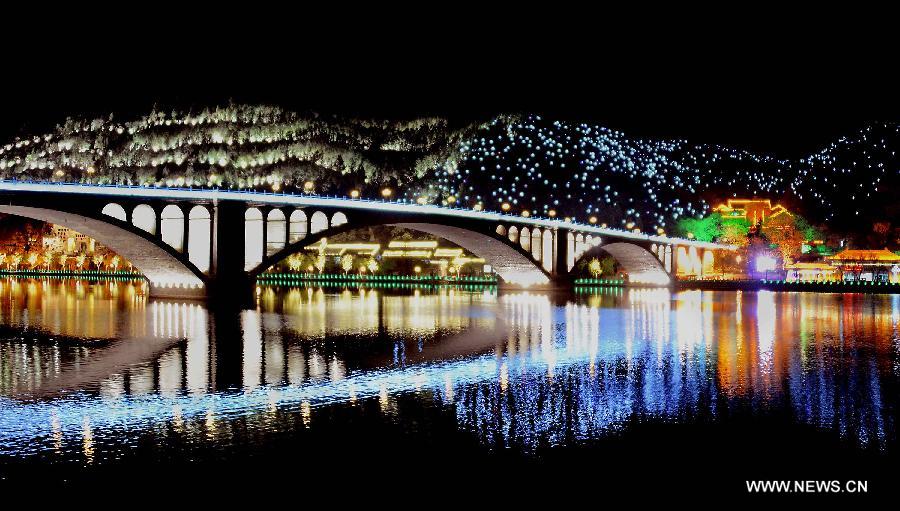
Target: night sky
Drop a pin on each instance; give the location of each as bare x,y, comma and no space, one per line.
787,94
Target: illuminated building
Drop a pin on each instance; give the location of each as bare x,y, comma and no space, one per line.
811,272
868,265
754,211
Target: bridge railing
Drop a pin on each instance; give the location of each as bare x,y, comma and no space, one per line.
495,215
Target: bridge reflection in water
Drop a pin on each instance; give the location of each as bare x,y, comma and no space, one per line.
520,370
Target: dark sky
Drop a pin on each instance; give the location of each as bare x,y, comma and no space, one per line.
767,97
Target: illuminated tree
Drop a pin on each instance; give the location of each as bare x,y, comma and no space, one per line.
595,268
372,265
80,259
782,232
15,260
295,262
734,232
98,261
704,229
32,260
63,258
347,262
807,231
3,259
114,262
320,262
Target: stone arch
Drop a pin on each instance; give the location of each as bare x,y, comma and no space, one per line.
642,266
510,264
276,231
143,217
253,230
509,261
168,275
116,211
547,250
338,219
199,237
536,244
172,226
525,239
501,230
318,222
298,226
513,234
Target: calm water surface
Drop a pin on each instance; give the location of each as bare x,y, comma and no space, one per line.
721,386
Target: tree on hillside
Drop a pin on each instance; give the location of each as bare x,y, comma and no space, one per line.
707,228
735,231
782,231
807,231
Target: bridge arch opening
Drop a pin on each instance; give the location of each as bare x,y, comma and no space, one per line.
276,231
318,222
253,229
167,274
297,226
508,261
525,239
547,250
338,219
199,237
536,244
641,265
143,217
172,227
116,211
514,234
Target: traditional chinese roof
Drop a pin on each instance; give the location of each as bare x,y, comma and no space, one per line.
881,256
810,266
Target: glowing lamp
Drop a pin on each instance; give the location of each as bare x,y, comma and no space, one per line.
354,194
477,207
422,200
551,213
765,263
629,225
690,235
417,269
526,213
505,206
451,199
592,220
308,186
386,192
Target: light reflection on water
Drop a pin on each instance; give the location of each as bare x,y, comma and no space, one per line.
84,368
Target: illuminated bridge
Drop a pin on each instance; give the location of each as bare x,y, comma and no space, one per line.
200,242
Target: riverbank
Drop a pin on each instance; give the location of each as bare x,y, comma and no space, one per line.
77,274
333,278
780,285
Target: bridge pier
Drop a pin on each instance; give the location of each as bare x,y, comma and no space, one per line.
228,281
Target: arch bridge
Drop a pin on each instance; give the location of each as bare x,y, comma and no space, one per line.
202,242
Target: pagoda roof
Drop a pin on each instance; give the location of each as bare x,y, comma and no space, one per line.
882,255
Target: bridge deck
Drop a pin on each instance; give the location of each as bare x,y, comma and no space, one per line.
304,200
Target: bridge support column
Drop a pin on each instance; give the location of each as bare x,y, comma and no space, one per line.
560,253
228,279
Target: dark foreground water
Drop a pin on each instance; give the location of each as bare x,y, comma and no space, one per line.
641,393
